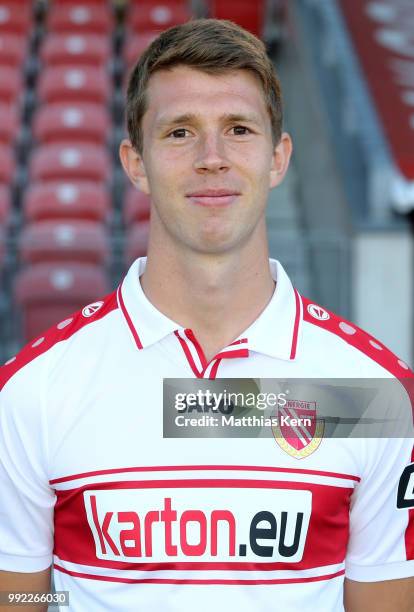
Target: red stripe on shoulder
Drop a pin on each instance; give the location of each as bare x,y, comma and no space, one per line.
61,331
356,337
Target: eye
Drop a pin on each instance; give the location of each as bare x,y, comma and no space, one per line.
241,130
178,133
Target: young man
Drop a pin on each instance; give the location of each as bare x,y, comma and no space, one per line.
131,520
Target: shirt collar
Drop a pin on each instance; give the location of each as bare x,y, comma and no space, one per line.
275,332
146,324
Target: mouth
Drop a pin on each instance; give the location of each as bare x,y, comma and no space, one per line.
213,197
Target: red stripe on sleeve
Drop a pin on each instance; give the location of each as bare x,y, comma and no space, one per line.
52,336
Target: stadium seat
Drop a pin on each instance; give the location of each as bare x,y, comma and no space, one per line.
13,50
49,293
15,17
89,2
11,86
69,161
135,45
79,49
66,200
74,84
80,18
248,14
84,241
5,205
9,124
74,122
157,16
137,207
7,165
136,243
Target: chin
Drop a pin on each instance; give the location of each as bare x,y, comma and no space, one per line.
214,247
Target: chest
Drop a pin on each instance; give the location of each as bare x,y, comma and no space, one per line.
128,495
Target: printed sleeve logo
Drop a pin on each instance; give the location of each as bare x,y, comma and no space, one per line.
318,313
405,496
91,309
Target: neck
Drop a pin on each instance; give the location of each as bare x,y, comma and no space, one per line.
217,296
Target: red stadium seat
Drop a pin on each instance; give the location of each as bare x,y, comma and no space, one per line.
11,86
157,16
69,161
67,200
5,205
250,15
13,50
9,124
74,122
49,293
74,84
80,18
136,243
84,241
15,17
7,165
86,2
135,45
137,207
79,49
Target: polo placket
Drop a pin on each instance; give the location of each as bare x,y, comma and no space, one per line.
197,360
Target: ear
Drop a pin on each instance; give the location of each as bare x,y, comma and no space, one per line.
133,164
280,160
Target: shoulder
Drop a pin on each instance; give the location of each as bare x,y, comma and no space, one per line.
64,330
342,331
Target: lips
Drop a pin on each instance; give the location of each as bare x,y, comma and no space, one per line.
213,197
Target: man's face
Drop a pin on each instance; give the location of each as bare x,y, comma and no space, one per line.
208,159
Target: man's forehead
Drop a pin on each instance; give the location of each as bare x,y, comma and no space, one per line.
184,80
184,91
193,72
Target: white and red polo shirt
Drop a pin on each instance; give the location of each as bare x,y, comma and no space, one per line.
134,521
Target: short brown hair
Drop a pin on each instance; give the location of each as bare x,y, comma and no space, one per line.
213,46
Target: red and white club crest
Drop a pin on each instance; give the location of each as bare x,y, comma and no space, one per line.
299,432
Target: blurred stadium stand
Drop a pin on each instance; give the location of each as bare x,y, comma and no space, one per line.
69,222
357,56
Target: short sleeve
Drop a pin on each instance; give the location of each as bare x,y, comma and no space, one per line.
381,540
26,499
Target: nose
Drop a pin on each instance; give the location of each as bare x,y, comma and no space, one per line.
211,155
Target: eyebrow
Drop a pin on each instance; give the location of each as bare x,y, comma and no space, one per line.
192,118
